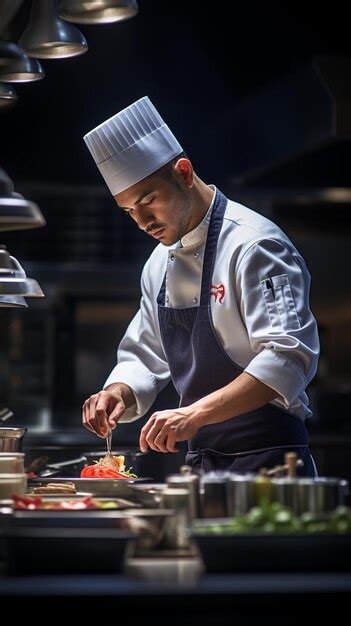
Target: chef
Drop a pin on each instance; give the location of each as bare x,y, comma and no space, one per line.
224,311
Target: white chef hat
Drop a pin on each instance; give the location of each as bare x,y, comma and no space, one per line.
131,145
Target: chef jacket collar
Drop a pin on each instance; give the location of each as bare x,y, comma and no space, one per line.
198,234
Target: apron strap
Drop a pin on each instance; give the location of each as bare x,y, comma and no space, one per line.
215,226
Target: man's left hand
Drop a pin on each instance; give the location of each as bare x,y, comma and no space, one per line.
165,428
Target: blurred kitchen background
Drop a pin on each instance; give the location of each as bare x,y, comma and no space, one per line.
261,103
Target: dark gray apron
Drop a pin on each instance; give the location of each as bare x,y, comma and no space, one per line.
199,365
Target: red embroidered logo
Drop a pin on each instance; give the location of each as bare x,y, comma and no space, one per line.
217,291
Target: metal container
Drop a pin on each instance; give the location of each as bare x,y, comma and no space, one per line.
241,493
191,482
11,463
285,491
214,494
150,527
321,495
310,495
114,487
12,484
177,535
11,439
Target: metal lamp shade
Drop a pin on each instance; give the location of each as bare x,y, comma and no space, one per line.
17,302
16,66
7,96
97,11
8,9
27,287
13,279
6,184
47,36
17,213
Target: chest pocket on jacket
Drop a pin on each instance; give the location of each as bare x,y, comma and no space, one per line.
280,303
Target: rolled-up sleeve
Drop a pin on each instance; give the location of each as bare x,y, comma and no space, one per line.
141,362
273,285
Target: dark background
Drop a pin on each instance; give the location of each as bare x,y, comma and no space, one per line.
226,82
195,63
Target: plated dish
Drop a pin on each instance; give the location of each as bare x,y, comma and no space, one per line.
109,466
66,503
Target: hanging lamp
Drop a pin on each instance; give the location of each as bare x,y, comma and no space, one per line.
13,279
47,36
8,96
16,66
16,212
13,302
97,11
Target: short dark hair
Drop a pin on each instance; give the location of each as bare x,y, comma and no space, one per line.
166,171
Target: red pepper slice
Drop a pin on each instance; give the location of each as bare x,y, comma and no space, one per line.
98,471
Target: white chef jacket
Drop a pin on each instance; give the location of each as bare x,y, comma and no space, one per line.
263,321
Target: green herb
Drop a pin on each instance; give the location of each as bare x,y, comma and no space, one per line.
273,517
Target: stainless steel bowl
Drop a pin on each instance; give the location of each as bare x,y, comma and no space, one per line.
11,439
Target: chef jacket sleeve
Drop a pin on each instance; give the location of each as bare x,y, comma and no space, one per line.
141,362
273,285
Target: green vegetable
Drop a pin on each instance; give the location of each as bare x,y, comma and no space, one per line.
273,517
109,505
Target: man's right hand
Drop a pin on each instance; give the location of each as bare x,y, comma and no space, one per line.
103,409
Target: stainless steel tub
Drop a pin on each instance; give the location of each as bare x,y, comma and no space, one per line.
11,439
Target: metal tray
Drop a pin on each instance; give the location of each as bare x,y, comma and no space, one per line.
147,526
259,552
148,494
62,496
93,518
111,487
121,504
45,551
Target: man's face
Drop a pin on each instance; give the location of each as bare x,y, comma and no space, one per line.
160,206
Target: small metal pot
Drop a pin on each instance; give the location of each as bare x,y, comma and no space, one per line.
285,491
321,495
214,494
310,495
11,439
241,492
